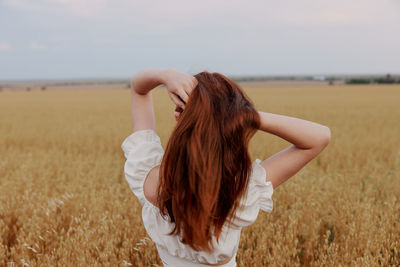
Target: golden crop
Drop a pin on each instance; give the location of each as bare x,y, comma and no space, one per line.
64,200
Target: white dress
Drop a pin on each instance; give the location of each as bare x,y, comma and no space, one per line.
143,151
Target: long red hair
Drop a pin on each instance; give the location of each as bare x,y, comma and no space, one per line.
206,164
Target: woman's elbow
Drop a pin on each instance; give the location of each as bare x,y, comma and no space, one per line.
325,137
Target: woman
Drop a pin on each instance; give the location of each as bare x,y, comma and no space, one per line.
199,193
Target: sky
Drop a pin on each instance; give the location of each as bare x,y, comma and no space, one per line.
61,39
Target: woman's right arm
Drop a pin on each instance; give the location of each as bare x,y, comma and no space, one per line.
308,140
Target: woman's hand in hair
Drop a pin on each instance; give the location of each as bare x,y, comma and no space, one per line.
177,112
179,86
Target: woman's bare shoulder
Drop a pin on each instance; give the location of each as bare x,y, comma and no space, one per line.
151,184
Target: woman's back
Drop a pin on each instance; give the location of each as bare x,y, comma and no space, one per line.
143,152
204,187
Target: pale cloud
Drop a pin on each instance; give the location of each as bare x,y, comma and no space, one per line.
162,18
347,13
235,12
37,46
4,46
311,13
83,8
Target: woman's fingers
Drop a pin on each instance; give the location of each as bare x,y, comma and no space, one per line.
187,89
176,114
180,88
183,94
178,109
177,100
192,85
195,82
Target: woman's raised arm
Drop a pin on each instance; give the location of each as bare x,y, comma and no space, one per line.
308,140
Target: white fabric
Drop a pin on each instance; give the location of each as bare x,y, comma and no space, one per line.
169,260
143,151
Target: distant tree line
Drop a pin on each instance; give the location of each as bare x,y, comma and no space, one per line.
348,79
388,79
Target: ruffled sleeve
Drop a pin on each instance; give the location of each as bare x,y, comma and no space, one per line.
259,196
143,151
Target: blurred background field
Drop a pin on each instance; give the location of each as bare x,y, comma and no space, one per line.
64,200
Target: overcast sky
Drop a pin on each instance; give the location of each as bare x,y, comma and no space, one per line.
52,39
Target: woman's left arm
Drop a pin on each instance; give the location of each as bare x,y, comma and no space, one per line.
178,84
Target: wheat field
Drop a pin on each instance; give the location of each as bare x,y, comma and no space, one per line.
64,200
